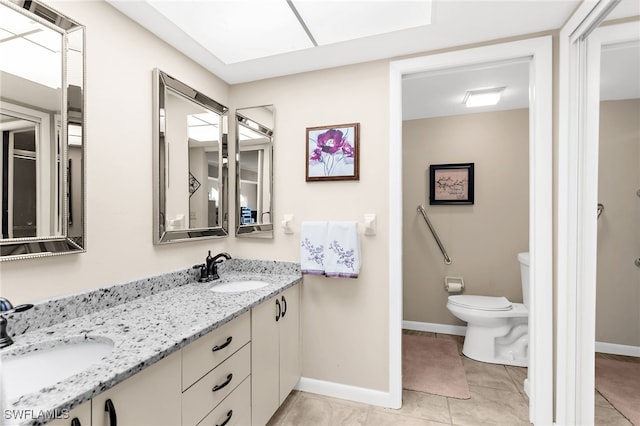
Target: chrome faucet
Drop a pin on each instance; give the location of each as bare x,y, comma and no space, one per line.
209,269
212,264
7,308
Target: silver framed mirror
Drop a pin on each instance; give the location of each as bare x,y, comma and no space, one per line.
254,171
190,158
42,109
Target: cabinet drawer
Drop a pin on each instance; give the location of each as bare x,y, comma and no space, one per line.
236,408
201,398
206,353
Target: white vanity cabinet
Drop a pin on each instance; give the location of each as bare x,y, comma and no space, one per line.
215,376
79,416
238,374
150,397
275,360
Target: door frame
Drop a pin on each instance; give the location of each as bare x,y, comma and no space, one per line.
578,141
539,50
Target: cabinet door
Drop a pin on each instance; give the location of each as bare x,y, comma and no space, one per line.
79,416
264,361
290,365
151,397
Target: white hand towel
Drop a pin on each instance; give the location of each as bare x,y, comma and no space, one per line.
343,250
313,239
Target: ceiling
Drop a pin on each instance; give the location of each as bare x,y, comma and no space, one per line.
248,40
218,34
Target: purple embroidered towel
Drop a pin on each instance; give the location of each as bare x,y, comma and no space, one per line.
313,238
343,250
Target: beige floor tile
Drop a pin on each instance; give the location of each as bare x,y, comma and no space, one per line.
601,401
610,416
385,418
497,398
489,406
488,375
277,417
311,410
422,405
518,375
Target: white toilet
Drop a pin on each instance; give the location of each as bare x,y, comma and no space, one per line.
497,330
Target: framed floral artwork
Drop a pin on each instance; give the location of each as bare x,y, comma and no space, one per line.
332,152
451,183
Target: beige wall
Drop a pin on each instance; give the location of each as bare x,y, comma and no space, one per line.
344,321
119,62
618,279
482,239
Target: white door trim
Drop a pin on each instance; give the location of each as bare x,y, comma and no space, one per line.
578,126
539,50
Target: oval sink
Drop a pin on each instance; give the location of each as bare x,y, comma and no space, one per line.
238,286
46,364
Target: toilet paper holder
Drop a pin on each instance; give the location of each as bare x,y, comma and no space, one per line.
453,284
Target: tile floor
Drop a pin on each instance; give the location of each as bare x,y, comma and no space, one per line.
497,398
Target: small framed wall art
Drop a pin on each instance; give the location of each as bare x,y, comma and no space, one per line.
451,183
333,152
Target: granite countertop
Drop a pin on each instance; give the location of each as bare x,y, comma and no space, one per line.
144,330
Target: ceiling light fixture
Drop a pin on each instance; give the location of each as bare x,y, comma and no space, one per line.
482,97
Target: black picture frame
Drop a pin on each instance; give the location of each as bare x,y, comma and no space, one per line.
451,184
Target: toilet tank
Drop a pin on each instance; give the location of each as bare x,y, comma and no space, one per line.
523,258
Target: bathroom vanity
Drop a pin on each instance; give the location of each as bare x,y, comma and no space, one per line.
184,355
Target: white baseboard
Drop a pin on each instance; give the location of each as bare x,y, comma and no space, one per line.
616,349
457,330
350,393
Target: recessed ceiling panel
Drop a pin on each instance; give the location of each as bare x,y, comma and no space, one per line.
236,31
440,93
336,21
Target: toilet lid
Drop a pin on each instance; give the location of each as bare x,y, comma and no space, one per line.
483,303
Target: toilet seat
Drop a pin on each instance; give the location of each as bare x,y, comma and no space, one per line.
482,303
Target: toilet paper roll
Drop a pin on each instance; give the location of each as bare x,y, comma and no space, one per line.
454,287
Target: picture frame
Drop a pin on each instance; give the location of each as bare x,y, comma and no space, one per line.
333,153
451,183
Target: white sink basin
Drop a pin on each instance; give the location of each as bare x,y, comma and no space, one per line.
47,364
238,286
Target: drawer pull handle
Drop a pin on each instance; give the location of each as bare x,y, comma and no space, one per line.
75,422
229,414
279,312
222,346
218,387
109,408
284,306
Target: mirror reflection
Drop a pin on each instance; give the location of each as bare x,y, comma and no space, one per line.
254,171
41,119
191,160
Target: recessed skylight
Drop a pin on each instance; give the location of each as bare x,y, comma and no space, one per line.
336,21
39,48
482,97
203,127
237,31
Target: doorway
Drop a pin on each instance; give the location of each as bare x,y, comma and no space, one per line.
538,52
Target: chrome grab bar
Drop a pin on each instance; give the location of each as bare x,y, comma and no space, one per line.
447,259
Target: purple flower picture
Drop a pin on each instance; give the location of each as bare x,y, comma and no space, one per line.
332,152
